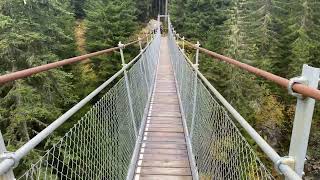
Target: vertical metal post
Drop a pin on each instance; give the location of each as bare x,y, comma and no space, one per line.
121,46
159,6
303,118
183,43
152,35
143,64
169,24
9,175
195,89
166,13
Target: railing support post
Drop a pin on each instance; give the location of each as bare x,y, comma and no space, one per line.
121,46
8,175
152,35
303,118
183,39
144,58
195,89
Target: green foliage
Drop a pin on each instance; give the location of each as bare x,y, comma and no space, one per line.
277,36
27,40
109,22
33,33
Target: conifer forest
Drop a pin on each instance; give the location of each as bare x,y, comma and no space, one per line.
278,36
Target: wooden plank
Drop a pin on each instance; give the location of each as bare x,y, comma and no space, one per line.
161,177
164,129
164,145
162,170
172,164
165,107
164,134
171,78
165,118
164,125
165,101
166,81
161,97
163,157
162,151
164,139
165,122
165,90
167,86
166,94
165,113
174,121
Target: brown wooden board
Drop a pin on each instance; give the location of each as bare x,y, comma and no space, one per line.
172,164
162,177
163,157
163,134
164,145
163,153
163,170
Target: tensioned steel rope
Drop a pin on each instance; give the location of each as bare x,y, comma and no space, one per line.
101,144
218,147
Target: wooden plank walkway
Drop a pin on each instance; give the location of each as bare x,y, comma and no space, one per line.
163,152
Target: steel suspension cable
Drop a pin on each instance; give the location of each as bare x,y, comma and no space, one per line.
299,88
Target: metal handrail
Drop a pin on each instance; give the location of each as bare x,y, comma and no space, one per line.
285,169
31,71
266,148
15,157
297,87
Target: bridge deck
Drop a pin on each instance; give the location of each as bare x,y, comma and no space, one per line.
163,152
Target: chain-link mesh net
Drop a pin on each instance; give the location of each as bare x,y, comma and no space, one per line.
219,149
101,144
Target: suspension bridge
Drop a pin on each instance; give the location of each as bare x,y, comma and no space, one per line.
162,119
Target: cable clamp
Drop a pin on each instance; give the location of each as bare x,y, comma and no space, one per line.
286,160
196,66
9,155
120,45
295,80
124,65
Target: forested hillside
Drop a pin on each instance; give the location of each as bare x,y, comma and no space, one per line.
33,33
277,36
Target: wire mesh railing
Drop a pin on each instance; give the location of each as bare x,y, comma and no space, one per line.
219,149
101,144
